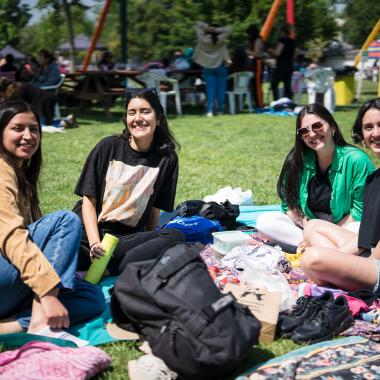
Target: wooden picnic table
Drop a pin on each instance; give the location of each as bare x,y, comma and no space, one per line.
103,87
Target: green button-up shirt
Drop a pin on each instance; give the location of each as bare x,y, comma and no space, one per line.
347,175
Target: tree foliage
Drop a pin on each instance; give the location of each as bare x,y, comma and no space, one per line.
51,29
157,28
14,16
361,16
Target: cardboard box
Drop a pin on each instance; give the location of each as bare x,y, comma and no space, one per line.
264,305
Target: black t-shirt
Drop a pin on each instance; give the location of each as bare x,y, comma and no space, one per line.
319,192
127,184
369,233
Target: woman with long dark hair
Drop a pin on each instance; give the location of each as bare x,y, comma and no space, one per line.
322,178
212,54
335,256
38,254
126,181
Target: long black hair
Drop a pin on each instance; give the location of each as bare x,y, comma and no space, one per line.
253,33
357,132
291,172
28,174
163,139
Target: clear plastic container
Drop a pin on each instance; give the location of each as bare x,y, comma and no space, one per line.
226,240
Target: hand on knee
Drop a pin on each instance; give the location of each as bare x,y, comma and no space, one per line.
311,259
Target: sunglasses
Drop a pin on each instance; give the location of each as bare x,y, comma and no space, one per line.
131,92
315,127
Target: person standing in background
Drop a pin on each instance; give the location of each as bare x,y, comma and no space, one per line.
284,54
256,45
212,54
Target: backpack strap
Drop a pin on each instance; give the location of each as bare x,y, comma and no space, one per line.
175,264
218,306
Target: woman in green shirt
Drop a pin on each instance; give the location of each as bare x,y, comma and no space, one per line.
322,178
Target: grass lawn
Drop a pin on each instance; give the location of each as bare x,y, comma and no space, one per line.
243,150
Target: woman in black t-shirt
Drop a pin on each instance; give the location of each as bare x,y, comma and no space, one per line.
334,255
126,181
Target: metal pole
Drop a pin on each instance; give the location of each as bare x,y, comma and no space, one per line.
123,30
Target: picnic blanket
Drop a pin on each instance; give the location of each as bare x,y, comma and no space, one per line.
345,358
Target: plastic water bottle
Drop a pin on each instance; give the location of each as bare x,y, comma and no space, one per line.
98,266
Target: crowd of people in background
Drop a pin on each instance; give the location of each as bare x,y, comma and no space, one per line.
210,55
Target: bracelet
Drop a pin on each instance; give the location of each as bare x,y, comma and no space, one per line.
93,245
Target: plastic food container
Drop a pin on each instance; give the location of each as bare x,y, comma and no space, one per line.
226,240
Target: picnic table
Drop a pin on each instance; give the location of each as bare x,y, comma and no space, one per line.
103,87
99,86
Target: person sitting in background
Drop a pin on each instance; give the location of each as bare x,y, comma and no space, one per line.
240,62
322,177
335,256
106,62
28,69
48,73
9,70
38,254
43,102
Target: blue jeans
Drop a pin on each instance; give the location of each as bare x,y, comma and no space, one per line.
57,235
216,84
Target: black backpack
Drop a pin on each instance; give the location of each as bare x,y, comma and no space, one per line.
175,305
225,212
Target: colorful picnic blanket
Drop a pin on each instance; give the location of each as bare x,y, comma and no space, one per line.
346,358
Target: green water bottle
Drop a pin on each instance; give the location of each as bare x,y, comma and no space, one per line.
99,265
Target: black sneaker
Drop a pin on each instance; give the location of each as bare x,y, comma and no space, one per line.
333,318
305,308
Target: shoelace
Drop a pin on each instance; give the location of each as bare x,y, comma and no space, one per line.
317,308
300,306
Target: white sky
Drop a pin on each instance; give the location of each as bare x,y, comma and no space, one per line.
36,12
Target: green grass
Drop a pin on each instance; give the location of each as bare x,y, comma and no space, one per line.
244,150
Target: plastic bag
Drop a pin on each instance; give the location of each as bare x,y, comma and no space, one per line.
262,273
235,195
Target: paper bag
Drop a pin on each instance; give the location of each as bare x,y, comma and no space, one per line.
263,304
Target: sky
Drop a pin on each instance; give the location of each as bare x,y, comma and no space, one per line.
36,13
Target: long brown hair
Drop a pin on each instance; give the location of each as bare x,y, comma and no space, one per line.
28,174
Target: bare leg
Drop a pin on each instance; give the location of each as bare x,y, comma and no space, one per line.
325,234
330,266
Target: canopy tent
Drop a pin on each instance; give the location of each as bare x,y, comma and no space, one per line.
8,49
81,42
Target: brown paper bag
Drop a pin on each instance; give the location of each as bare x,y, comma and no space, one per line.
263,304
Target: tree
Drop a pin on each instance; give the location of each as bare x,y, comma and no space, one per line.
361,16
14,17
157,28
63,6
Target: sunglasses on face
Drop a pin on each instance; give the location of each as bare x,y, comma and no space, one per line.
315,127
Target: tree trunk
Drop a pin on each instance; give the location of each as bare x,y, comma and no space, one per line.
70,27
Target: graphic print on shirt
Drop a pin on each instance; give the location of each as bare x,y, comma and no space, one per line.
127,192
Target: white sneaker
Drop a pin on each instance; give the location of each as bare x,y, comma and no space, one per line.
209,114
149,367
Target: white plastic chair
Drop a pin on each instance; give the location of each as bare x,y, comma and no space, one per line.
152,79
241,82
56,87
321,81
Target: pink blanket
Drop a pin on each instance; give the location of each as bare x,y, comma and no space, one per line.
43,360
